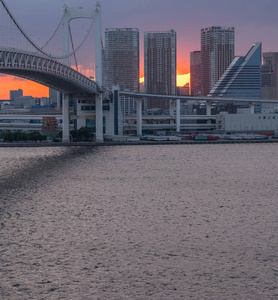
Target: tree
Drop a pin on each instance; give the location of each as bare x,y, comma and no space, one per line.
8,136
83,134
36,136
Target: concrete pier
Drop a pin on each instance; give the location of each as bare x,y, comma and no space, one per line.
139,115
66,119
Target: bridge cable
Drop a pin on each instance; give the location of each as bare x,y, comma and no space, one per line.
55,31
80,45
72,45
19,28
40,49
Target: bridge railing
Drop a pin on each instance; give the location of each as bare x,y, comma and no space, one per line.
11,58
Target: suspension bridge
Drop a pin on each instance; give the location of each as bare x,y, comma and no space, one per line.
21,56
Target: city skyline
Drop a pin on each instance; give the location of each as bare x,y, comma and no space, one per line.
254,21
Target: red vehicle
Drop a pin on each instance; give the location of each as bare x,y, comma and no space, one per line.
213,137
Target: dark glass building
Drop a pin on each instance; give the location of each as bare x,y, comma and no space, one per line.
160,66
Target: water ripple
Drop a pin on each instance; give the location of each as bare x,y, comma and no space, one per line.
144,222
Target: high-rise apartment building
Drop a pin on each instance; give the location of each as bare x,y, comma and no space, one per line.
217,52
122,58
270,75
195,73
271,59
160,65
122,63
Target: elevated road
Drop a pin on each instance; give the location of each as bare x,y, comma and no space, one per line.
199,99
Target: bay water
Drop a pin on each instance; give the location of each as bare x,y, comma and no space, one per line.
139,222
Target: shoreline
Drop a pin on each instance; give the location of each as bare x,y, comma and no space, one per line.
131,143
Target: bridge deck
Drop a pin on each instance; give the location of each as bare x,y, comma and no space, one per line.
48,72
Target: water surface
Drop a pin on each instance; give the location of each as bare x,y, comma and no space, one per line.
139,222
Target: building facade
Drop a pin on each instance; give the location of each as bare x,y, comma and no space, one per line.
16,94
85,116
270,75
122,58
242,79
160,66
122,63
217,52
195,73
247,123
183,90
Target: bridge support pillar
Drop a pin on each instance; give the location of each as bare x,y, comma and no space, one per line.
99,119
252,108
172,106
208,108
66,119
178,115
139,115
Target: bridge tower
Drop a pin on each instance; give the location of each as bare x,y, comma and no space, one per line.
95,14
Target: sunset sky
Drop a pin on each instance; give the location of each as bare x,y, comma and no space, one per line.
254,21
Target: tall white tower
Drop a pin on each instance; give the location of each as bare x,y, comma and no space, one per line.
95,14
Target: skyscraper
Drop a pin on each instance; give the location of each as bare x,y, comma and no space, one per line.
270,75
122,58
122,63
217,52
195,73
160,60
